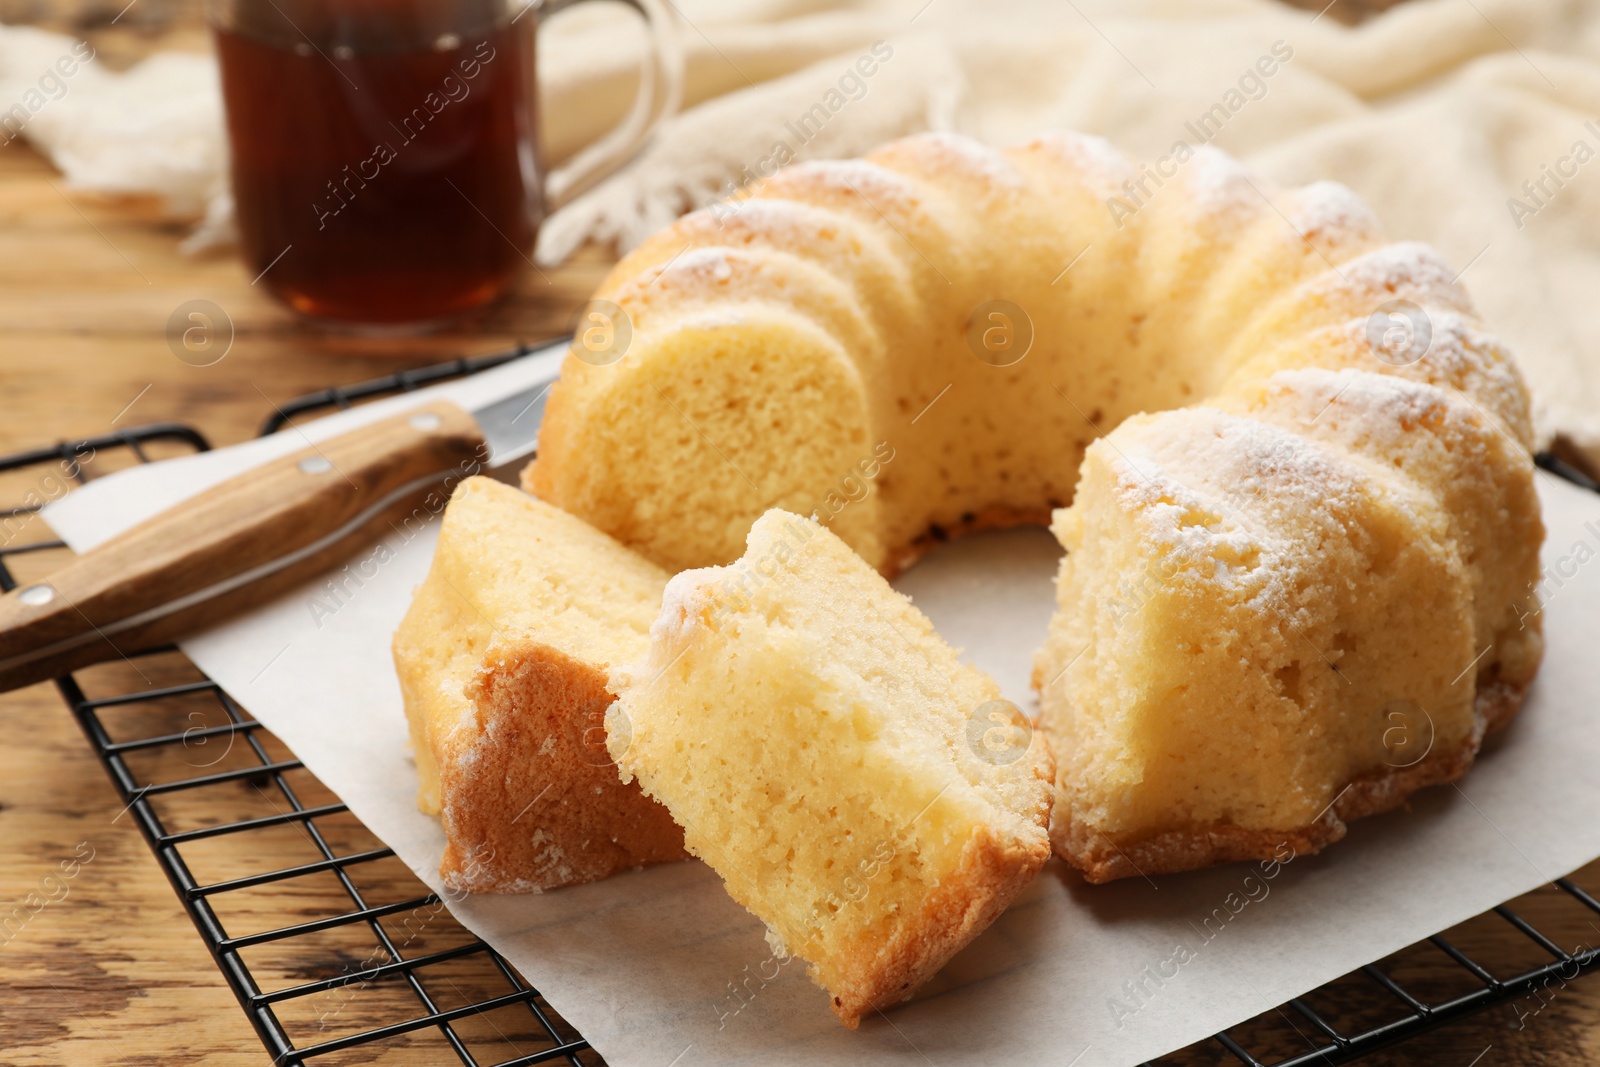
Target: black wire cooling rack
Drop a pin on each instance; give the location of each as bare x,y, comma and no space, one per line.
379,972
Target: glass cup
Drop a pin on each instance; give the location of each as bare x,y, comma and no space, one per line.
385,161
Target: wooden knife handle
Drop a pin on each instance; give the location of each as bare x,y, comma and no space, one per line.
239,543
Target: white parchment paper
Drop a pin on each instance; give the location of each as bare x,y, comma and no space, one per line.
659,967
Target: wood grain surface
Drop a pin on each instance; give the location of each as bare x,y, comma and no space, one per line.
103,967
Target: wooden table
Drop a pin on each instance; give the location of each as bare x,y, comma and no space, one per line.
114,973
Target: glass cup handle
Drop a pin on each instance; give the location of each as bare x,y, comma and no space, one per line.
660,94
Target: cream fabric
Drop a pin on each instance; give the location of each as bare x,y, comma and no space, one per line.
1471,124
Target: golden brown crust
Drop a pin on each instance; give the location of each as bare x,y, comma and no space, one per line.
1101,860
530,799
991,874
992,871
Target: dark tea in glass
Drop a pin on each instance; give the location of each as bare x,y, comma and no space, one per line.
383,152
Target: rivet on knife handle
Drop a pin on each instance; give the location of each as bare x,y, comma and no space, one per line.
236,545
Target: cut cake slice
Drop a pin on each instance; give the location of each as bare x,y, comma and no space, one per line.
503,661
868,796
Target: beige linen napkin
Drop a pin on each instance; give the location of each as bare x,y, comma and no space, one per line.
1471,124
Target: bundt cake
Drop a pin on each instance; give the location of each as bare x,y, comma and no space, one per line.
1321,531
503,660
862,791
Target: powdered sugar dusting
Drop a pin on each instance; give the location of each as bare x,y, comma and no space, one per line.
1219,183
1095,157
1457,349
1466,358
1332,211
972,157
1384,407
762,214
1240,497
711,262
1408,269
1168,504
795,226
881,187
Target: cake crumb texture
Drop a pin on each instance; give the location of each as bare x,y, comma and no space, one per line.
503,659
867,795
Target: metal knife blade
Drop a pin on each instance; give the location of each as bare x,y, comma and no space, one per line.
510,425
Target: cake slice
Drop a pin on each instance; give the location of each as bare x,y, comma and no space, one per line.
503,661
1259,637
863,792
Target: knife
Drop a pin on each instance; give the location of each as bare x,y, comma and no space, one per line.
244,541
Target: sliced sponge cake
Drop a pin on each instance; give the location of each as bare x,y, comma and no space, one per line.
1261,632
863,792
503,660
